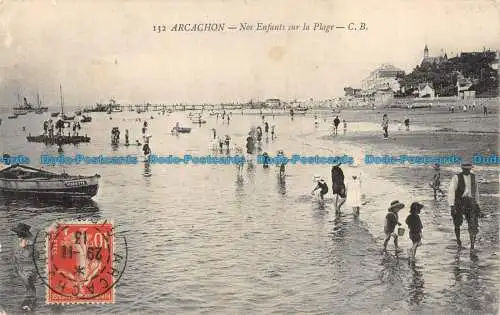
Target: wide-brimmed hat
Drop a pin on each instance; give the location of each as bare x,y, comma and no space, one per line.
466,165
396,206
22,230
316,178
416,207
436,166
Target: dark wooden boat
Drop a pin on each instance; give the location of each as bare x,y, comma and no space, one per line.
182,129
85,119
199,121
25,180
12,116
59,140
54,114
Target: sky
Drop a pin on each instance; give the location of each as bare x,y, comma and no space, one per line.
102,49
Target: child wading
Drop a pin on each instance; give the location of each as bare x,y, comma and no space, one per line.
354,190
436,181
391,219
415,227
321,185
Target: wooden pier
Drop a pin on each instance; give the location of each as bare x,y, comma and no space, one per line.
164,107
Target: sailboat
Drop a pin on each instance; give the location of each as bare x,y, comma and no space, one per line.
21,109
40,109
61,114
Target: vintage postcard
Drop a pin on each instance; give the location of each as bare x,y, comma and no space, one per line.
249,157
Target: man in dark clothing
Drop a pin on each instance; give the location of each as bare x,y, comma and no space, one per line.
336,123
463,198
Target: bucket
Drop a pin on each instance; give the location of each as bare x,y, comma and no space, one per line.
401,231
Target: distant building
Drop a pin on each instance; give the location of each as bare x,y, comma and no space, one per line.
349,91
426,90
273,102
463,83
383,98
382,78
432,60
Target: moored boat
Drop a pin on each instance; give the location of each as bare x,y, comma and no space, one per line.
21,179
182,129
199,121
59,140
85,119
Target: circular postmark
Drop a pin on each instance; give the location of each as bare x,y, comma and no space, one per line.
82,262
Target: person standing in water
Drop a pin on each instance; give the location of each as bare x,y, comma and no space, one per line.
407,123
272,132
391,220
436,181
385,126
336,123
265,160
215,133
23,261
463,198
281,155
345,126
126,137
321,184
354,190
266,128
415,228
228,119
338,187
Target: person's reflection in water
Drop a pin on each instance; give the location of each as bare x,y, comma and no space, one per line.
416,287
147,169
239,187
281,185
338,230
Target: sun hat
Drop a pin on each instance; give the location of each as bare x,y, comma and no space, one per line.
316,178
436,166
396,206
416,207
466,165
22,230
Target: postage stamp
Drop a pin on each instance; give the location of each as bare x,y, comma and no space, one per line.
80,263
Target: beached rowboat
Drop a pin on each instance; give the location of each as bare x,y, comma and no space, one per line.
25,180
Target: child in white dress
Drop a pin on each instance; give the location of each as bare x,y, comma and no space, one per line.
354,192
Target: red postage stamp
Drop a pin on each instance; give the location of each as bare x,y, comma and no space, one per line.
80,263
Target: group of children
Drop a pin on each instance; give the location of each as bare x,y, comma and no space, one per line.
414,226
391,219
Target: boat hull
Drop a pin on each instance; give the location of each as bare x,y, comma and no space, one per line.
72,187
58,139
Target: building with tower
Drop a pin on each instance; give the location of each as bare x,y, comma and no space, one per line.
432,60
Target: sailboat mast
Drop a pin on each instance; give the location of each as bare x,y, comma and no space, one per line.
62,105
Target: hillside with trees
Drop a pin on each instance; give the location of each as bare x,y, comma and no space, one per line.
475,67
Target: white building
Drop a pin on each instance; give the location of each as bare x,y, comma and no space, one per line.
426,90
